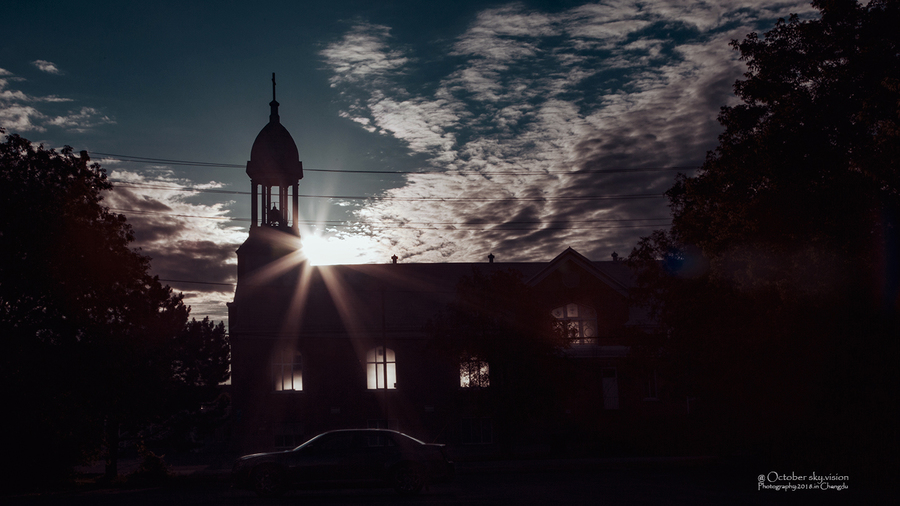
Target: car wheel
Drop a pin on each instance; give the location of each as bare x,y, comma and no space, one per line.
408,480
269,481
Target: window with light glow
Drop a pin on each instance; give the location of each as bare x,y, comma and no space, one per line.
473,373
287,371
579,322
381,369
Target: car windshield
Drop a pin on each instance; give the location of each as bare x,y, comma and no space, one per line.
308,442
414,439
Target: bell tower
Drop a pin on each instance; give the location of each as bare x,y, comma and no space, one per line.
270,264
275,172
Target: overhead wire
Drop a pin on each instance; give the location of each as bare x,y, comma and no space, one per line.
613,170
129,184
446,224
196,282
163,185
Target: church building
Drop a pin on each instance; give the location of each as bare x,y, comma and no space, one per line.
316,348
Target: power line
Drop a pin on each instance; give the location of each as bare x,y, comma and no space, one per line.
123,184
403,222
139,211
195,282
462,226
144,159
613,170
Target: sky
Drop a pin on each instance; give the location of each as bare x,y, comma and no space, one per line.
434,131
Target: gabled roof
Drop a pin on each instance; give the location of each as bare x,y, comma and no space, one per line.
614,274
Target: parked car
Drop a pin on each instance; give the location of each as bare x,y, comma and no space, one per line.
346,457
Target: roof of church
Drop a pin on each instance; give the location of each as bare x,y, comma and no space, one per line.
359,299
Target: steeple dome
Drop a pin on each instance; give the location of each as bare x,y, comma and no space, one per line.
274,154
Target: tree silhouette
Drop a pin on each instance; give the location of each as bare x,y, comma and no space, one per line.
94,345
777,285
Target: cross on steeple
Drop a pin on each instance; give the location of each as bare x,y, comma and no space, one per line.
273,116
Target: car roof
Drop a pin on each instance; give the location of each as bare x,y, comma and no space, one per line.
389,431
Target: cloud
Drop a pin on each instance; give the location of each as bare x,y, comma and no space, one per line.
422,123
46,66
50,98
81,120
539,112
20,118
19,111
188,242
15,116
363,54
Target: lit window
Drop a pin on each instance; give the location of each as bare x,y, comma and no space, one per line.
287,371
381,369
579,322
473,373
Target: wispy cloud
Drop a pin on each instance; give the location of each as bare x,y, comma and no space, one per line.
364,54
558,98
46,66
423,123
20,113
81,120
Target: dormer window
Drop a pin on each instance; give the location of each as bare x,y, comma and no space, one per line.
579,322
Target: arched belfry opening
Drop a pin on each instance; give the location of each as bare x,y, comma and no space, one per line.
275,172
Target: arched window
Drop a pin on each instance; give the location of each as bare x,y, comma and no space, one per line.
473,373
381,369
580,322
287,371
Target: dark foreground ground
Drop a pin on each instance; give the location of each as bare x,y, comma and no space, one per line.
579,481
